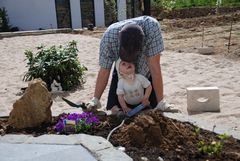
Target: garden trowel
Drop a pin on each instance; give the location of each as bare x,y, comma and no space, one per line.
81,105
84,107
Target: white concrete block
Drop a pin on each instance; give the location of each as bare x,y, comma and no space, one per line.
203,99
206,50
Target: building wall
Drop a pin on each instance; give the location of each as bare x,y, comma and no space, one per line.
36,14
31,14
76,14
121,10
99,13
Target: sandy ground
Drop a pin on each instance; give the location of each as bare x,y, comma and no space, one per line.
180,70
13,68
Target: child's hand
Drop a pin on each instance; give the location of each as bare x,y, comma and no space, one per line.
145,101
126,109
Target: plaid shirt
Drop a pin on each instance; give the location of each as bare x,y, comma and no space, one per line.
152,43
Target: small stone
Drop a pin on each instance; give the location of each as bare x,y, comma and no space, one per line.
144,159
160,159
121,148
2,132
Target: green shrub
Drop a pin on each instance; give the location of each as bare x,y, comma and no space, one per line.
178,4
4,26
56,63
110,12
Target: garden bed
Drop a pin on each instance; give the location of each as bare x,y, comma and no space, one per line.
192,12
152,135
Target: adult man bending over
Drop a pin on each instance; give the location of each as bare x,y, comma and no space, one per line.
137,40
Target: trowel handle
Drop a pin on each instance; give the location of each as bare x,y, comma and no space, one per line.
135,110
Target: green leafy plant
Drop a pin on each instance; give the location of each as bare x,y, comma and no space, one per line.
178,4
163,4
213,147
110,12
168,4
197,130
210,149
56,63
223,136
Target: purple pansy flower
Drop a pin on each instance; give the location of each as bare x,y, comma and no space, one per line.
83,121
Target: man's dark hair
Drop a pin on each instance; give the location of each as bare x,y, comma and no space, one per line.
131,38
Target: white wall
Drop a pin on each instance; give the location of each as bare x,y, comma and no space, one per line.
76,14
31,14
35,14
122,10
99,13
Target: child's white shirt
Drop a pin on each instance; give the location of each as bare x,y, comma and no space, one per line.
133,92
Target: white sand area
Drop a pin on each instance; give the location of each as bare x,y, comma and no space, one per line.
180,70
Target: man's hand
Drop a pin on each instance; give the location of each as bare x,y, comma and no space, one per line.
165,107
94,103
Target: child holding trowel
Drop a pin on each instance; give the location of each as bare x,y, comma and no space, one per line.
133,89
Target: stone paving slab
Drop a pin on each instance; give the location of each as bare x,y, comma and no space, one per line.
110,154
12,138
53,139
43,152
96,143
95,146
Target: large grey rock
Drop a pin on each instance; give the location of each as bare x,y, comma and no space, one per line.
33,108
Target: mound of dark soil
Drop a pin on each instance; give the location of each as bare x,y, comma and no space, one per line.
151,135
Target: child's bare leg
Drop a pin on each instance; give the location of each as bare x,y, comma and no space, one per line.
115,109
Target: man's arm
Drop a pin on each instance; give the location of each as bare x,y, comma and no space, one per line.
156,74
101,83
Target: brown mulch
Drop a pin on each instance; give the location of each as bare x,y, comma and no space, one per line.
150,135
